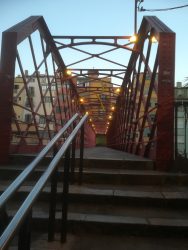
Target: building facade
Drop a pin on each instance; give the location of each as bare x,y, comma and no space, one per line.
181,121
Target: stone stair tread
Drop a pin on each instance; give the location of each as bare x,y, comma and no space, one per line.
116,219
114,191
105,171
168,222
42,209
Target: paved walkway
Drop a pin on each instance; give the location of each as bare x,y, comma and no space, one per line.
109,154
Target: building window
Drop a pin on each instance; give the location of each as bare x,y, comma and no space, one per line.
58,110
31,91
16,87
53,87
146,132
180,123
47,99
44,87
68,85
43,80
28,118
103,97
152,117
27,103
42,120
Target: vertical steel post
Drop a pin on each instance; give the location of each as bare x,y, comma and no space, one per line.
73,157
7,68
65,196
165,114
81,155
52,205
24,239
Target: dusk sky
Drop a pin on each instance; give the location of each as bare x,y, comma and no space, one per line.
100,17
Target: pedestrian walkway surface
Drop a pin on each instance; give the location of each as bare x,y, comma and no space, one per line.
109,154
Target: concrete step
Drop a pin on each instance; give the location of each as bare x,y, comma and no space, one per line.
106,176
116,224
165,196
137,163
108,208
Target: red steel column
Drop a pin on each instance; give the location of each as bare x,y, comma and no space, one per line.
165,114
7,67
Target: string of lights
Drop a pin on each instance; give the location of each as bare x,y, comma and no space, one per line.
165,9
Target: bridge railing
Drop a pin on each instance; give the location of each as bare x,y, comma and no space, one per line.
20,223
143,123
35,105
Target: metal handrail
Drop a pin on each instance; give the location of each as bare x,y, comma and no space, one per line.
26,207
31,167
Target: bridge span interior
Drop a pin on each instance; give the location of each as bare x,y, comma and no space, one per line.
123,83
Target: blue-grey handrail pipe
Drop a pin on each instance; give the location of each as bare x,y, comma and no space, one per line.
25,209
31,167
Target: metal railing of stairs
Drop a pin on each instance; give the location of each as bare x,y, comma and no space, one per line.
20,223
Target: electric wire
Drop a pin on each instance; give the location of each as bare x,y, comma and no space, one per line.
165,9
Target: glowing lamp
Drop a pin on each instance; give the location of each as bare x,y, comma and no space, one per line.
133,39
153,39
81,100
68,72
118,90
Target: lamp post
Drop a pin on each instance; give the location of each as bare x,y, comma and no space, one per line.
136,7
135,17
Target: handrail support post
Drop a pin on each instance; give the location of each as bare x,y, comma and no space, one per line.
65,196
52,205
81,155
24,238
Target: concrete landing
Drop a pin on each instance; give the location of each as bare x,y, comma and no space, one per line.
105,153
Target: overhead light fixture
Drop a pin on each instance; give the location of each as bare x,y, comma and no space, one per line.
153,39
133,39
68,72
81,100
118,90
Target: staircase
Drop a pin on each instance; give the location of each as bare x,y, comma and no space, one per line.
122,204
